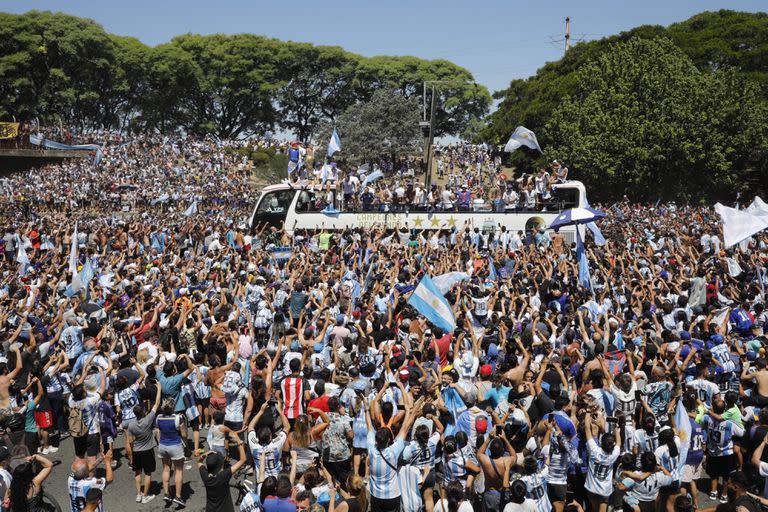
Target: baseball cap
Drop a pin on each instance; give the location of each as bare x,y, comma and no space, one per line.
404,375
486,370
481,425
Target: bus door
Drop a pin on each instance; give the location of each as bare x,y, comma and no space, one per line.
273,208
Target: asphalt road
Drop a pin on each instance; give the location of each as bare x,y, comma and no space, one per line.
120,495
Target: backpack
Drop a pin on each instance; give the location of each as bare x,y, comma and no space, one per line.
77,427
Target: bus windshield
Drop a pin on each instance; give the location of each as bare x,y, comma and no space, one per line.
274,207
565,197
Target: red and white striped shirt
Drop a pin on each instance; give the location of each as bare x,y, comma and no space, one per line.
293,397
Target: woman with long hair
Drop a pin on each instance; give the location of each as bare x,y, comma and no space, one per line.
452,499
355,500
26,486
304,439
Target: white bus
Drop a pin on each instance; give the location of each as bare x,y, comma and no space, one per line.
295,207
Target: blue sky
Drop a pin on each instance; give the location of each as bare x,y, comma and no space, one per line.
496,40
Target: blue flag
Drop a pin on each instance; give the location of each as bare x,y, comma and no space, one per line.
599,238
335,143
428,301
581,255
491,270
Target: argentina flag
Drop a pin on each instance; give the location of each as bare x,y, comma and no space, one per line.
522,136
581,256
428,301
335,143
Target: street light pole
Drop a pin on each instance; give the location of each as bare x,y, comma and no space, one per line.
428,181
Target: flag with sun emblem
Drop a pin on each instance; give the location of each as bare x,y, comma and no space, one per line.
428,301
522,136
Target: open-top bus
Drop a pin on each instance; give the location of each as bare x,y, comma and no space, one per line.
295,206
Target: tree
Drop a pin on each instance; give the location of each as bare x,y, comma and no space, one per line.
54,67
318,86
645,121
711,39
459,99
386,127
237,78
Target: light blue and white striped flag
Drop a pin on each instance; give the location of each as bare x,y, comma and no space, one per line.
522,136
581,255
335,143
192,210
428,301
375,175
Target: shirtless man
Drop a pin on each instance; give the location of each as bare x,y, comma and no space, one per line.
6,378
760,376
495,466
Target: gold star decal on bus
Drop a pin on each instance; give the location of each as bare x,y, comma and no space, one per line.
417,222
452,221
434,221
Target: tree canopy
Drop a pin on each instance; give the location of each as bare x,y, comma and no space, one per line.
690,123
383,128
59,67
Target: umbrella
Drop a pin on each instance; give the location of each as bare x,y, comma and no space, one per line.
576,216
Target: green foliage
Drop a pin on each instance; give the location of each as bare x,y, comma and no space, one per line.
384,127
723,53
54,66
645,122
260,159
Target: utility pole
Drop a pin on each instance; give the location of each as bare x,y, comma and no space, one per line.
567,34
431,139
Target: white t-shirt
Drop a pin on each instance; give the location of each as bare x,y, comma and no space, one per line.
527,506
464,506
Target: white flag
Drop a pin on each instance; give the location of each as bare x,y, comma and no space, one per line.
73,252
739,225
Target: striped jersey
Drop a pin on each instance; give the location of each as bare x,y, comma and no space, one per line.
293,397
272,453
720,435
647,490
409,480
422,456
599,477
127,399
383,468
536,490
78,490
560,458
251,503
671,464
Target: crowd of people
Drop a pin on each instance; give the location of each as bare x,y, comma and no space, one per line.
469,177
149,333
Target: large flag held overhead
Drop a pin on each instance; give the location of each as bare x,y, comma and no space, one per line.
73,252
444,282
375,175
428,301
522,136
738,225
192,210
599,238
21,256
581,255
335,143
683,431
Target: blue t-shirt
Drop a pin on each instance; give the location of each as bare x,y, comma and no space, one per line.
171,388
497,395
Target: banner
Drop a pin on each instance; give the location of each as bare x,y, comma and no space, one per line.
615,361
9,130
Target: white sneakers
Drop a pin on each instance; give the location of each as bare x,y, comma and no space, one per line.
46,451
147,499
